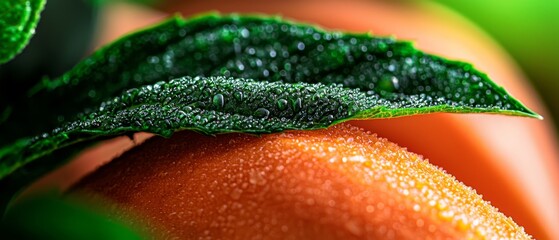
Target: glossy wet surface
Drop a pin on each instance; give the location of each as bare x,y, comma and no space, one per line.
340,183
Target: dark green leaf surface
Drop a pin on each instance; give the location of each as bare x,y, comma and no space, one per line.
51,217
18,20
63,35
264,49
302,78
220,105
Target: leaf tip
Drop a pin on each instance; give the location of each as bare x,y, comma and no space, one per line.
533,114
526,112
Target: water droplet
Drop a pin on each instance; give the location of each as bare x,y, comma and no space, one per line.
282,104
262,113
297,104
92,93
182,114
446,215
153,59
382,46
388,84
251,51
226,35
419,222
218,101
182,33
409,61
316,36
462,223
245,33
238,96
287,66
257,178
240,65
236,193
354,228
301,46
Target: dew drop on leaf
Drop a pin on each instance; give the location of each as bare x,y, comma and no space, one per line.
388,84
261,113
282,104
297,104
218,101
238,96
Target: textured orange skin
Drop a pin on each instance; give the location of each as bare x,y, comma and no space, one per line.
339,183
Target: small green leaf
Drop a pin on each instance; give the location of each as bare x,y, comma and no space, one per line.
302,78
51,217
17,25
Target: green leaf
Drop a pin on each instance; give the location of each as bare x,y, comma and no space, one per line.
302,78
51,217
260,48
17,25
220,105
63,35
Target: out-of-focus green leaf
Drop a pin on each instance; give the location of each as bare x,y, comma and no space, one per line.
18,20
51,217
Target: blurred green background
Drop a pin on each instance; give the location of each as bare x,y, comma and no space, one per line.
529,31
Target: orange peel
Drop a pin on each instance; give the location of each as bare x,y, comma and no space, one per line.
341,183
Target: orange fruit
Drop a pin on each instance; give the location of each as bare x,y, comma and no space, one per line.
339,183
